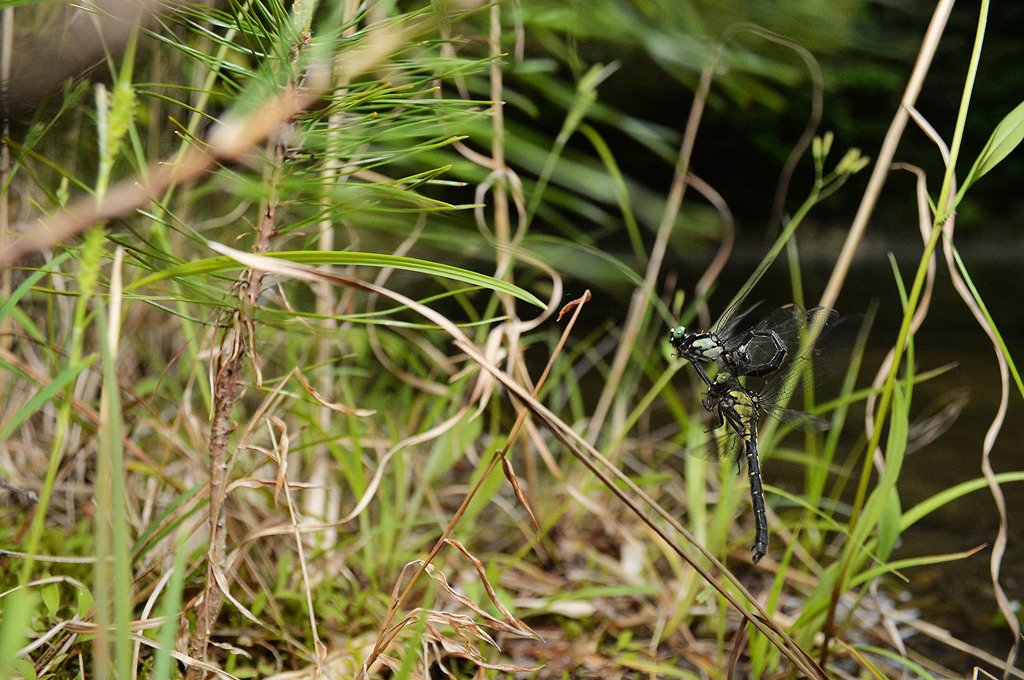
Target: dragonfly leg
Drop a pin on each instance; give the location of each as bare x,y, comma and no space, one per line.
702,373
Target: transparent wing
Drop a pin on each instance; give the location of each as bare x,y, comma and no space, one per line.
723,444
728,325
787,324
800,420
816,368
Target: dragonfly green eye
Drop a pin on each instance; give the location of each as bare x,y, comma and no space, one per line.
677,333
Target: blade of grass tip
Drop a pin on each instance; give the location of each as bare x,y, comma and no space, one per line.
882,406
899,416
621,191
228,263
586,95
946,496
897,567
1006,137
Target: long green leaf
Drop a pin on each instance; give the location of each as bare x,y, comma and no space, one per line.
219,264
1005,138
44,395
19,608
31,280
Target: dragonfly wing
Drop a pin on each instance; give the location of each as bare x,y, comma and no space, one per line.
768,346
800,420
728,325
824,361
723,445
789,324
818,368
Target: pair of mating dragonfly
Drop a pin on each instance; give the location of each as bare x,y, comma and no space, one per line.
781,348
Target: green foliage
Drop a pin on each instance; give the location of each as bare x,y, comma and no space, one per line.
1005,138
395,251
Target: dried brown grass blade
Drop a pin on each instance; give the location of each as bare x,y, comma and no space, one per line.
517,488
340,408
518,626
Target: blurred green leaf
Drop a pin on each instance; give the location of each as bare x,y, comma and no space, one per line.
47,392
219,264
50,593
1005,138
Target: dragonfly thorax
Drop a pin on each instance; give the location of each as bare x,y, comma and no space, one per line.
731,402
708,347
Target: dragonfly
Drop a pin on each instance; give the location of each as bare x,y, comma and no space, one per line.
741,408
756,352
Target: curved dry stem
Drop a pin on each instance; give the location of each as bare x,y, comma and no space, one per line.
968,296
1002,535
813,120
717,264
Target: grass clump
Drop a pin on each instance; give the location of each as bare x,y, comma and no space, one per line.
295,384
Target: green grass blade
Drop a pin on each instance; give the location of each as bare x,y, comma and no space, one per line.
19,608
171,611
315,257
1006,137
18,293
44,395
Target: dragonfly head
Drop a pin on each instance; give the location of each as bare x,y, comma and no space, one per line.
724,378
677,337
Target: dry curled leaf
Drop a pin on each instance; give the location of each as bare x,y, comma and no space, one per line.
340,408
510,475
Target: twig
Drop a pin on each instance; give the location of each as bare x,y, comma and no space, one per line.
885,155
238,342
